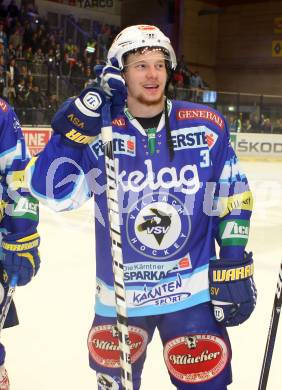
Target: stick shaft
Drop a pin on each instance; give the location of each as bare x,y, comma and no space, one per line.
116,246
271,337
6,306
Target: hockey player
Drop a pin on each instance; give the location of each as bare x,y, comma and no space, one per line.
19,239
180,191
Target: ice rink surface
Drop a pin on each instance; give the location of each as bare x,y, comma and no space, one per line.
48,350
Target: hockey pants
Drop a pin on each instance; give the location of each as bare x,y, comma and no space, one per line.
196,349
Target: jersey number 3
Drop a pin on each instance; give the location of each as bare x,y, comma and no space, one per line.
205,158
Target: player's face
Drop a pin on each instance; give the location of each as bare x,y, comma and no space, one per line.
145,76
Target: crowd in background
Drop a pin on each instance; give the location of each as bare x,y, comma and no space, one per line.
254,123
41,65
32,55
187,84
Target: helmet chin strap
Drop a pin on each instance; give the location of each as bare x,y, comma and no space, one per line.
168,133
167,124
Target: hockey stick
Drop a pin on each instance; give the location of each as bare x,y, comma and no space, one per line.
271,333
114,223
9,297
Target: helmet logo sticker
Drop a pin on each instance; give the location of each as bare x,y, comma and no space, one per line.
146,27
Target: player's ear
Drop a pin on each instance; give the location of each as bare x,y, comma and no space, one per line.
124,73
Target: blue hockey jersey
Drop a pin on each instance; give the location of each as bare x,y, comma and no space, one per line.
18,209
171,212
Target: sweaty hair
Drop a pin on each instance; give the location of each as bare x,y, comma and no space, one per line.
141,50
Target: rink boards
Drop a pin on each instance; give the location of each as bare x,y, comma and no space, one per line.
250,145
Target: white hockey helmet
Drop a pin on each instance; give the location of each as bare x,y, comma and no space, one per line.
142,35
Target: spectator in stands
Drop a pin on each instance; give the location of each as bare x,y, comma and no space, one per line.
71,49
20,103
196,86
42,35
23,74
51,107
13,70
51,39
3,35
277,127
11,93
3,52
11,52
65,65
235,124
186,76
90,46
196,80
29,81
58,58
255,123
89,76
89,60
38,60
183,68
2,84
77,75
19,52
28,54
267,126
36,103
178,79
16,38
247,126
36,43
180,83
2,63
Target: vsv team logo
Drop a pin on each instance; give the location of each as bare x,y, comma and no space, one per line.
158,226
